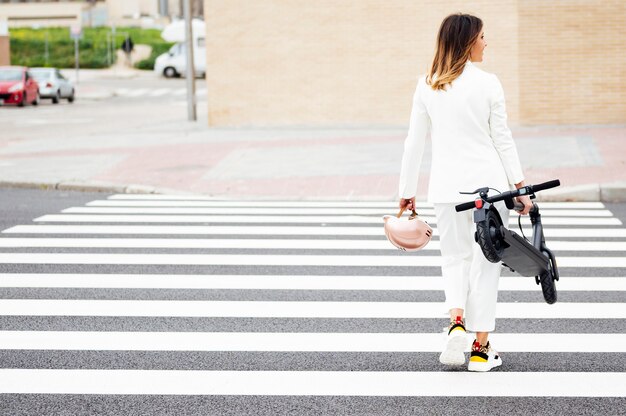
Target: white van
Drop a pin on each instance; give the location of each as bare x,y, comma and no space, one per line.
174,62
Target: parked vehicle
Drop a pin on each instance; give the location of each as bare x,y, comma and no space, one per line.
52,84
17,86
174,62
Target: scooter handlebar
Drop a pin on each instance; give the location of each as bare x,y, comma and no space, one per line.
545,185
465,206
525,190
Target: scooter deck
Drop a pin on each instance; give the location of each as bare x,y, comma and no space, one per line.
522,256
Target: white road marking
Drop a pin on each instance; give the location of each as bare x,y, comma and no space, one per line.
290,341
286,282
296,309
235,259
137,92
296,212
253,219
229,230
313,383
270,230
268,219
159,92
214,243
147,200
266,260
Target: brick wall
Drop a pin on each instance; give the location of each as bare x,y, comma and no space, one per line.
329,63
5,51
572,61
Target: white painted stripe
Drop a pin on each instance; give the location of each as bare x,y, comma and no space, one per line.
587,245
269,219
251,219
159,92
290,341
313,383
266,244
121,91
295,309
238,212
180,91
285,282
266,260
283,211
270,230
137,92
212,243
201,92
298,212
235,259
159,201
227,230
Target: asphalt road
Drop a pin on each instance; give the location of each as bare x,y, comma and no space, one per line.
105,105
18,207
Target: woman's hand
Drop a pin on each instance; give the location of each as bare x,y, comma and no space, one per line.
528,204
524,200
407,204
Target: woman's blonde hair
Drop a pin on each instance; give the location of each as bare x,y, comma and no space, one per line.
457,35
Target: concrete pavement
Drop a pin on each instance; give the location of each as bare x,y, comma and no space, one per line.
166,153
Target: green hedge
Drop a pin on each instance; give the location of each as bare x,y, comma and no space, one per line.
157,49
28,46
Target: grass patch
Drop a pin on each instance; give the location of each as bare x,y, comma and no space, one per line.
28,46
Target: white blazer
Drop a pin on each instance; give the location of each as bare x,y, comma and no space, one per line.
472,146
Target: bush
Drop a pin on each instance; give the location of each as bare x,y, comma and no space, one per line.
157,49
28,46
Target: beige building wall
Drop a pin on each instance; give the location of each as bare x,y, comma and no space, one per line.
573,61
5,50
118,9
329,63
42,14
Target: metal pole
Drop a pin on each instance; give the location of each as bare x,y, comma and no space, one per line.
108,49
76,57
190,72
47,54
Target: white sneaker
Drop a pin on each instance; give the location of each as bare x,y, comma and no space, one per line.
483,358
456,342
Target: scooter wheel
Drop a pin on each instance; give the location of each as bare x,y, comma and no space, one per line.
547,284
488,236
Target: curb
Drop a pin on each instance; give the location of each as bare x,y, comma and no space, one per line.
82,187
611,192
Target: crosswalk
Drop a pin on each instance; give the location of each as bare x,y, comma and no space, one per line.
163,296
157,92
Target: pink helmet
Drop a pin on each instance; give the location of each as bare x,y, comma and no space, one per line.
411,235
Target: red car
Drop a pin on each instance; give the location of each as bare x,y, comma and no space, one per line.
17,86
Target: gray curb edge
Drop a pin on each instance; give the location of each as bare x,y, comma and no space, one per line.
611,192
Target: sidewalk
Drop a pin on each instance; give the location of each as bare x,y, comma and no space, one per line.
175,156
346,164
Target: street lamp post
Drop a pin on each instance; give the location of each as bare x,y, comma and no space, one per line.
191,71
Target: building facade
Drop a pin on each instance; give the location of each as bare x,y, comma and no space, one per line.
49,13
345,63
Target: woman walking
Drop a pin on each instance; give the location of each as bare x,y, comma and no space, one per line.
472,147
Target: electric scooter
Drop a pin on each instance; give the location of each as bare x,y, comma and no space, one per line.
498,243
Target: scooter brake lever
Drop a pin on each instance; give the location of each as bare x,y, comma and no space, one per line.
479,190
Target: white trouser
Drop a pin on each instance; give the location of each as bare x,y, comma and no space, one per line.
470,280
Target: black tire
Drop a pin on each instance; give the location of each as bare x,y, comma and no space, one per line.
56,98
71,98
547,285
170,72
488,236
